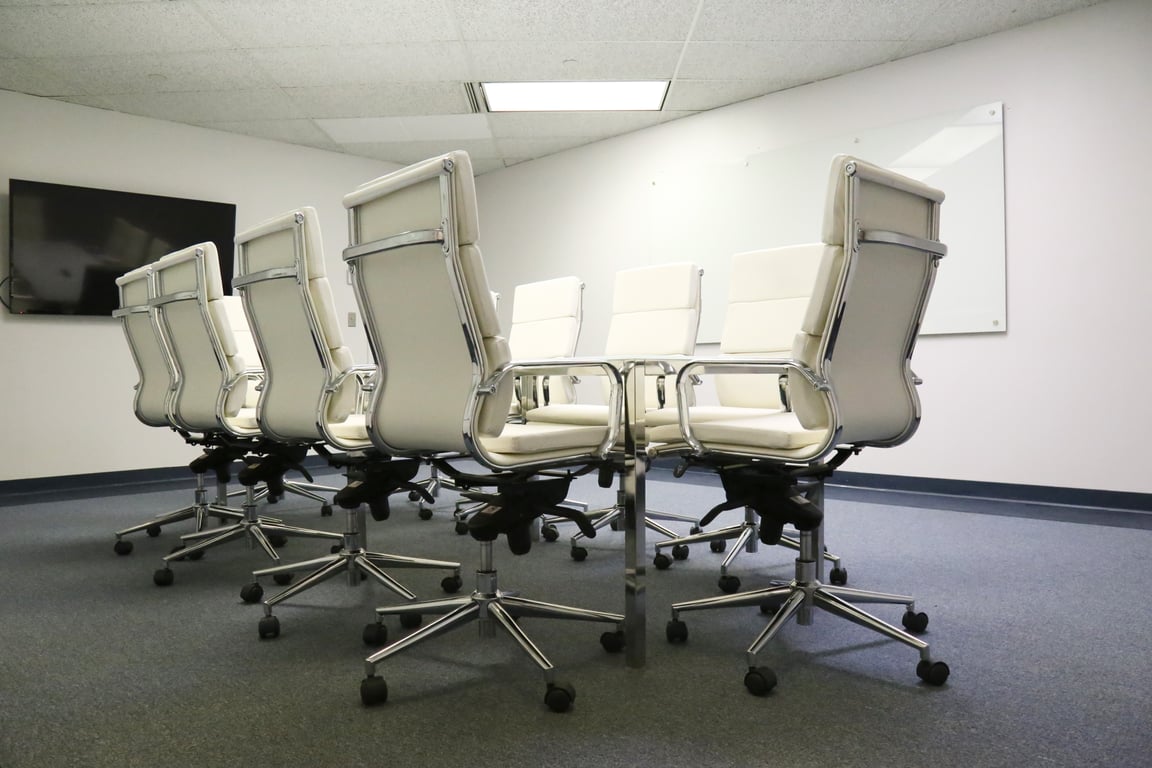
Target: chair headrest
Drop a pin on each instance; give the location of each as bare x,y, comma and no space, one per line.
665,286
844,166
546,299
464,190
313,248
204,254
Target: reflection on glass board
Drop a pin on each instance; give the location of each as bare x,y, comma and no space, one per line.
777,198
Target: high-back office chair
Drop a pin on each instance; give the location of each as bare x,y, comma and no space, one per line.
217,373
767,297
655,312
546,319
850,385
312,395
448,388
153,394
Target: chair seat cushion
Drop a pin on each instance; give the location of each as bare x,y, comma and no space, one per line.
775,431
244,422
537,438
701,413
353,429
569,414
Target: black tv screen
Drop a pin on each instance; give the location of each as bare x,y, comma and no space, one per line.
67,245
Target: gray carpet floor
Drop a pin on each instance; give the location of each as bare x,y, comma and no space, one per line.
1045,625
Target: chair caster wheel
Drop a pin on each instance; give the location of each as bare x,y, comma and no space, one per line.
932,672
373,691
122,547
613,642
614,524
375,635
269,628
163,577
729,584
549,532
680,552
326,510
559,697
914,622
662,561
425,513
251,593
278,540
451,584
335,548
283,579
413,496
769,609
410,620
676,631
153,531
695,530
461,527
759,681
838,576
718,546
579,554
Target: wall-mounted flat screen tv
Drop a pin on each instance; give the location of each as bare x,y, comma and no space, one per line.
67,245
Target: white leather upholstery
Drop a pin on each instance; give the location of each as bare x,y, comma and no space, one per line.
656,312
432,322
298,333
212,373
858,329
546,317
154,385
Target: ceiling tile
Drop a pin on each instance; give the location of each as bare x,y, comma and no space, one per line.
381,130
158,73
827,20
415,151
358,64
785,61
381,100
310,23
30,76
89,30
200,107
963,21
604,20
304,132
526,149
567,60
592,125
708,94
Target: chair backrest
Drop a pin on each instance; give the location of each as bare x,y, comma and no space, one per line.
282,280
153,363
655,311
767,297
880,256
212,349
546,318
418,275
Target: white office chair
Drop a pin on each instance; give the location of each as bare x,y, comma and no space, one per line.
151,402
546,319
217,373
448,389
313,395
850,386
655,312
767,298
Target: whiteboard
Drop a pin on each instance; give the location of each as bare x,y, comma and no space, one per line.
707,213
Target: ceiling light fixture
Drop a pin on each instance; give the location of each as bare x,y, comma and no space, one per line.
576,96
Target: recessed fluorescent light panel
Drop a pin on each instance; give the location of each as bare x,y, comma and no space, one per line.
575,96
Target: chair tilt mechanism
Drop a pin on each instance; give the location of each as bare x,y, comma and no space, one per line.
518,499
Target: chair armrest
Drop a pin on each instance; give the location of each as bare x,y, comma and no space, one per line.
690,376
571,367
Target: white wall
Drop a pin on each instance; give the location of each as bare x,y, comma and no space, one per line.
1060,399
66,388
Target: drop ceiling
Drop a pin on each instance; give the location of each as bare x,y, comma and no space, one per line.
389,79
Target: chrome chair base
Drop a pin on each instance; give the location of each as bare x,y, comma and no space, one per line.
491,607
747,539
614,516
259,531
797,598
351,558
200,510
